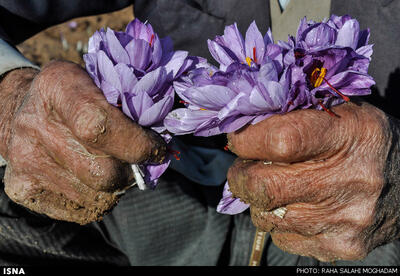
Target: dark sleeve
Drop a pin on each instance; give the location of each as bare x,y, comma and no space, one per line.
21,19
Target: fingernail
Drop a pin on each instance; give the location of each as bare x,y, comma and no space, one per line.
159,150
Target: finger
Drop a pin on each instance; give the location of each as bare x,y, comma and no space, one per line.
52,204
295,136
303,231
275,185
324,247
58,195
301,218
300,245
96,169
28,184
82,106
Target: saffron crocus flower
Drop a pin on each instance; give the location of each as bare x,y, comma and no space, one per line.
222,102
135,70
329,61
254,50
337,31
334,74
325,64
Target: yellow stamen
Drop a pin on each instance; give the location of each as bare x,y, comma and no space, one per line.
318,78
248,60
318,75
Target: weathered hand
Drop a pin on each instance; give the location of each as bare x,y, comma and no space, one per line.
68,150
337,177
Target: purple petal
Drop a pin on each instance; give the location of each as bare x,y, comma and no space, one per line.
263,102
234,107
95,40
157,112
219,53
275,92
118,53
138,30
188,64
268,39
175,62
210,97
110,92
184,121
180,87
157,53
139,52
126,76
138,104
303,25
339,20
91,67
208,128
254,43
107,70
153,172
230,205
127,106
167,45
151,83
348,35
319,35
123,38
365,51
273,51
235,123
351,83
363,38
268,72
233,40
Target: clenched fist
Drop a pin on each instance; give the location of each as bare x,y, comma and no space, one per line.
68,150
337,177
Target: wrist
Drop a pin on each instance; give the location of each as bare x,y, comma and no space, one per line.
14,87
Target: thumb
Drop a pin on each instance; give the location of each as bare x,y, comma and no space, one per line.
292,137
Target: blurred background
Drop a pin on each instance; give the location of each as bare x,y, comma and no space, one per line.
69,41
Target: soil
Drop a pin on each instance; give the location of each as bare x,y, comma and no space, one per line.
69,40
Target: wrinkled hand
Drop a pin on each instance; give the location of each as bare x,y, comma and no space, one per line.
330,174
68,150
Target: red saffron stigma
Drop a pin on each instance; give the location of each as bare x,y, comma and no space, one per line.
175,153
226,148
345,98
183,102
326,109
298,54
318,75
151,39
254,55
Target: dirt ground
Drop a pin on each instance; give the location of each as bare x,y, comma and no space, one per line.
69,40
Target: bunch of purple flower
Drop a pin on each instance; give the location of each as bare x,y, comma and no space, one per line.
322,66
135,70
325,64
